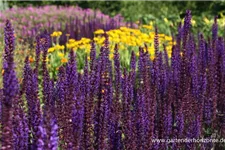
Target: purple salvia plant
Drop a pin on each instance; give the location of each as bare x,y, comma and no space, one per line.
214,32
159,94
70,98
41,136
88,111
166,105
186,28
156,42
44,41
148,105
180,35
1,99
10,88
133,61
60,102
20,125
48,116
102,106
78,112
126,113
53,137
194,75
116,135
92,56
139,119
30,84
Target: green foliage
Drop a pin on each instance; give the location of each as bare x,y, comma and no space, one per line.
3,5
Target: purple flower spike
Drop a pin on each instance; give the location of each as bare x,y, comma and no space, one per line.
215,30
10,88
186,27
53,141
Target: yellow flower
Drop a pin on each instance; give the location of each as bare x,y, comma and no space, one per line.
96,39
64,60
61,55
85,40
100,31
71,40
161,35
123,28
112,49
56,34
152,57
59,33
193,22
169,54
151,50
62,47
168,38
68,45
137,54
122,47
87,51
111,56
82,47
206,20
3,71
59,47
151,23
117,31
116,40
53,35
144,35
51,49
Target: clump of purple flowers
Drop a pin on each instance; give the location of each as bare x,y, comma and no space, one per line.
108,107
73,21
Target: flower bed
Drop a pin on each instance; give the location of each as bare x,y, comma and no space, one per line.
110,107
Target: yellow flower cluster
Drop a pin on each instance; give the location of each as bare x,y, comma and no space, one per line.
56,34
220,21
56,47
126,38
100,31
60,55
84,43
